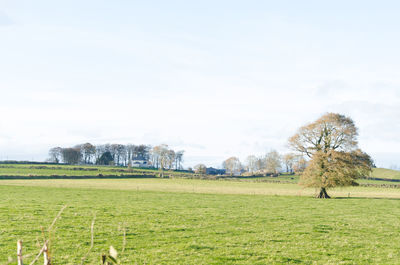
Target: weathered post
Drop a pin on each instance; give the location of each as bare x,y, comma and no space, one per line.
19,252
46,256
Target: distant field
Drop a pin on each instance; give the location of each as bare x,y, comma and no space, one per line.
17,171
205,186
189,227
77,170
33,170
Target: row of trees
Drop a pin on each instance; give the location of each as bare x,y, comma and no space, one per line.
117,154
271,163
162,157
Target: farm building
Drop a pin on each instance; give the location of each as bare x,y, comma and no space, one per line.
141,163
215,171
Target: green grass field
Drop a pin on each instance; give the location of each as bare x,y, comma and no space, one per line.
201,222
191,221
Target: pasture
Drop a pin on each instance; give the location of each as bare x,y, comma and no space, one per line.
47,170
182,221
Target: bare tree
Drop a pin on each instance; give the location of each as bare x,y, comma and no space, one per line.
273,162
251,163
170,158
232,165
55,154
156,155
289,160
161,155
260,163
130,150
179,159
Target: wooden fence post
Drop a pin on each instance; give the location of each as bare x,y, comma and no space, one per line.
19,252
46,256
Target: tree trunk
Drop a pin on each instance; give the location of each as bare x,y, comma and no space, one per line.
322,194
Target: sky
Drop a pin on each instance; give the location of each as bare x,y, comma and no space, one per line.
213,78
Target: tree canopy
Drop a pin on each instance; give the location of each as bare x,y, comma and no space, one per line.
332,131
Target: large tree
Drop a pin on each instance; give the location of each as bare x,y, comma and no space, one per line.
335,160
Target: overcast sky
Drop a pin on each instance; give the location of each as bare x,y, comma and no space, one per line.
215,78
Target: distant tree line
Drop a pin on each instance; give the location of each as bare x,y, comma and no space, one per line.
271,163
160,156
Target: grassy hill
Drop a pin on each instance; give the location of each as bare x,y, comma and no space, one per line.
385,173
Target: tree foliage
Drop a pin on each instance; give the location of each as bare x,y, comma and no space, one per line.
335,169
